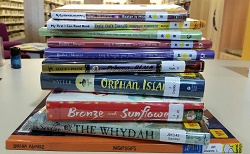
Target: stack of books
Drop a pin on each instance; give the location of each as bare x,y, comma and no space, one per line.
125,79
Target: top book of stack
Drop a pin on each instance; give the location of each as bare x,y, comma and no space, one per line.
120,12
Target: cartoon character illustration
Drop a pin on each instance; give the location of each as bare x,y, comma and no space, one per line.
191,115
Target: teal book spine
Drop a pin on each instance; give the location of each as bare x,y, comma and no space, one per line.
185,34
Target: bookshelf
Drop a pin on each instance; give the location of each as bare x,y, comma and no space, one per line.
227,22
12,14
40,14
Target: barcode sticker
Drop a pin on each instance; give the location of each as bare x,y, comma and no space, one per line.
175,112
185,54
212,148
169,35
180,24
172,86
156,16
66,15
172,135
173,66
182,44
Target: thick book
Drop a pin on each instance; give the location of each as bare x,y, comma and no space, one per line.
157,84
171,34
25,139
126,53
104,12
119,65
171,132
112,25
113,107
125,43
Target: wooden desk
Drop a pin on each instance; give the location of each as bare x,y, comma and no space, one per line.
37,48
227,96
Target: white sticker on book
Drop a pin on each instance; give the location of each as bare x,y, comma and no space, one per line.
67,15
212,148
172,135
156,16
180,24
172,86
173,66
175,112
182,44
169,34
185,54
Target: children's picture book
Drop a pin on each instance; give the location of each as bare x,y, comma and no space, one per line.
59,42
155,84
61,105
112,25
119,65
222,141
132,12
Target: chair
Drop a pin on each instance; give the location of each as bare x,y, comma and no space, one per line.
7,43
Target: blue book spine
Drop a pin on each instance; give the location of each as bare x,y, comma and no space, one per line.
158,84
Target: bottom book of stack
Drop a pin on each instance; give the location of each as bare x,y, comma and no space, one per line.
53,139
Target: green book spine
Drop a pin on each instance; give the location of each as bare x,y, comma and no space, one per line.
158,131
185,34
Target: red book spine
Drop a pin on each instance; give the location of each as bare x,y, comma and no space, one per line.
126,43
125,111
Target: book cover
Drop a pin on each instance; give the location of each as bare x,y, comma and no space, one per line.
25,139
172,132
183,34
125,43
94,106
126,53
157,84
113,25
119,65
120,13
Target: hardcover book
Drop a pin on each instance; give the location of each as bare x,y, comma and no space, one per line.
125,43
123,53
111,25
119,65
172,34
121,12
94,106
25,139
157,84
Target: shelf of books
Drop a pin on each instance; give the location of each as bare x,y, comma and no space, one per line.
12,14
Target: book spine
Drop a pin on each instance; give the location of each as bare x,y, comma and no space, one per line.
88,25
125,131
114,43
140,16
125,111
98,53
128,84
161,66
128,34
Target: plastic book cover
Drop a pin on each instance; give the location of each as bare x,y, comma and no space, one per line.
100,106
171,34
120,12
113,25
157,84
125,53
125,43
119,65
25,139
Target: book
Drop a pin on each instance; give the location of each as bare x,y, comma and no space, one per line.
126,53
157,84
99,106
125,43
25,139
113,25
120,13
172,34
172,132
119,65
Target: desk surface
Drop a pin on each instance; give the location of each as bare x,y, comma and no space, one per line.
227,96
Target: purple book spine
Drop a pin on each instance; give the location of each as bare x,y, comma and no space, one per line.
95,53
